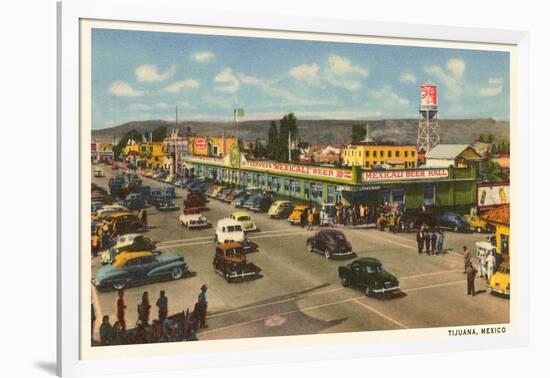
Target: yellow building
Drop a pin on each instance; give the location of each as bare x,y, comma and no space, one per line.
211,145
368,154
500,218
151,154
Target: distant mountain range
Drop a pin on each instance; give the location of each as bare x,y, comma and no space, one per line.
324,131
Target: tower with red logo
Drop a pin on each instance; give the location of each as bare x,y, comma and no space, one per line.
428,119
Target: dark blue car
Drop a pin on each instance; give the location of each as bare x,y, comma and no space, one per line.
453,221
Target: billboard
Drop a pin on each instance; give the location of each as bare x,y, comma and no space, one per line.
201,143
490,195
428,95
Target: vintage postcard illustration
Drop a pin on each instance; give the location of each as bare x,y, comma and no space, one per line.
249,185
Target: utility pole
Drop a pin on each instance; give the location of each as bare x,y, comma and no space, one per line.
289,147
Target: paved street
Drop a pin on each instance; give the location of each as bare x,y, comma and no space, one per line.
299,292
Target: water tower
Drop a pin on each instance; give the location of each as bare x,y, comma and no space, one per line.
428,118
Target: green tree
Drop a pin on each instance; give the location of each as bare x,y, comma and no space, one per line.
130,135
287,125
358,132
272,141
159,134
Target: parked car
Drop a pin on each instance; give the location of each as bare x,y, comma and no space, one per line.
250,201
297,213
331,243
234,194
239,201
245,220
124,222
260,204
478,224
96,205
154,196
166,203
127,243
500,281
226,192
368,274
135,268
106,210
453,221
136,203
230,262
192,219
227,230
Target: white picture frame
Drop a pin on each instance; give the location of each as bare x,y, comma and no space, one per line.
70,13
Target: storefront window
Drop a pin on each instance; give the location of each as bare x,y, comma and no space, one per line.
278,184
262,181
287,184
297,187
429,194
307,186
331,194
398,195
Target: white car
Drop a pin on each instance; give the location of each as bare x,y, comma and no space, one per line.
129,243
196,220
105,210
228,230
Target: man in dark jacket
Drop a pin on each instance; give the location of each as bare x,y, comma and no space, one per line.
420,239
470,278
121,309
162,304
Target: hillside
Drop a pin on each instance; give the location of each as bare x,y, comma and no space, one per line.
325,131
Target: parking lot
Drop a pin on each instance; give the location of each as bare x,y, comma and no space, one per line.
299,292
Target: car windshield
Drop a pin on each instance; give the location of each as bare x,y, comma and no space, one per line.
339,237
235,228
374,269
244,218
232,252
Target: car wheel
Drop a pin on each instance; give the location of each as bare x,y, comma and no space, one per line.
327,254
177,273
227,276
455,228
344,281
369,292
309,247
119,285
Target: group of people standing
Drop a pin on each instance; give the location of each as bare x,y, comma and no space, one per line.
430,241
179,327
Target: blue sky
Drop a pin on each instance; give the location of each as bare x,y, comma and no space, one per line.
139,75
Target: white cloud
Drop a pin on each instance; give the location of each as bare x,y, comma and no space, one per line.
308,73
456,66
138,107
122,89
450,78
496,81
144,107
407,78
387,97
179,85
249,80
228,80
203,56
494,88
340,65
150,73
343,73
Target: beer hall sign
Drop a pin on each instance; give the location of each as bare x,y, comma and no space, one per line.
405,175
283,168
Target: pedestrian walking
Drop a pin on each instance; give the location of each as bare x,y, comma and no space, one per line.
420,239
367,214
121,309
491,263
162,304
144,219
440,240
427,241
482,261
470,278
362,213
434,241
310,220
144,309
467,257
105,331
202,306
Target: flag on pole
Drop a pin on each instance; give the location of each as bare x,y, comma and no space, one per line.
239,112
